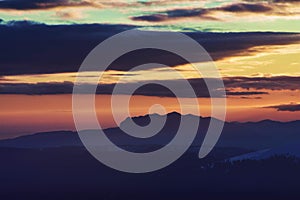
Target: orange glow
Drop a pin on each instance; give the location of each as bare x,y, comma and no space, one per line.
23,114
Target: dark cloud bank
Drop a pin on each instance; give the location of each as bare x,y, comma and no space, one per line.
30,48
250,87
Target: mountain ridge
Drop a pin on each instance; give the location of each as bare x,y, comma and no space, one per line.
248,135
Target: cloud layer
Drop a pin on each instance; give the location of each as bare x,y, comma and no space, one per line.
205,13
235,86
30,48
264,83
42,4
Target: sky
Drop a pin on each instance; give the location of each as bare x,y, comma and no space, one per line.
254,44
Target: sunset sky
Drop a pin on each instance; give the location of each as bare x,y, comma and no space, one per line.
254,45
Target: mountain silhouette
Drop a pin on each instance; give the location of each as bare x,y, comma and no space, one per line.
253,136
56,161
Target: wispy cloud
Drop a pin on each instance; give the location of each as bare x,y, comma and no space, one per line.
292,107
222,13
176,15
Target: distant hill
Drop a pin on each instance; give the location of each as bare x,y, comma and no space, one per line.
44,140
35,164
251,135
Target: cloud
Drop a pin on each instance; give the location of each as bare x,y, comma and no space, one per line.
292,107
243,97
31,48
148,89
69,14
205,13
246,7
175,15
264,83
225,12
247,93
42,4
49,4
151,18
243,87
36,89
274,1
